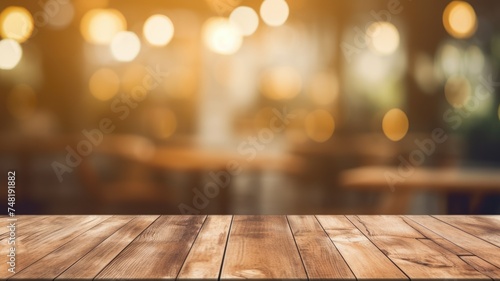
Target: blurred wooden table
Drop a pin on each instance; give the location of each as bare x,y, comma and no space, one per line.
255,247
400,186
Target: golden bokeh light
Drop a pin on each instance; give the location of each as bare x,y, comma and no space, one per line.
319,125
459,19
457,91
324,88
383,37
158,30
16,23
395,124
10,53
104,84
274,12
281,83
99,26
163,123
246,19
21,102
125,46
221,36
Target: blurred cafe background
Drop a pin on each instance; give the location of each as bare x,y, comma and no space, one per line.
250,106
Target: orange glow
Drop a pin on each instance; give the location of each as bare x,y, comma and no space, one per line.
459,19
99,26
319,125
395,124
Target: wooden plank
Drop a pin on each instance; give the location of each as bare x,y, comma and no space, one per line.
40,226
486,228
366,261
478,247
53,264
413,256
35,246
261,247
482,266
321,259
159,252
92,263
436,238
21,222
205,258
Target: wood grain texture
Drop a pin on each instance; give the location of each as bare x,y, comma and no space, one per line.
94,262
53,264
39,226
486,228
205,258
54,232
482,266
418,259
21,221
262,247
158,253
436,238
366,261
195,248
476,246
321,259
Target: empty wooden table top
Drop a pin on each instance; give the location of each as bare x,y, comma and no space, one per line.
254,247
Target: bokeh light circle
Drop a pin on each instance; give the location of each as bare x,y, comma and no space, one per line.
395,124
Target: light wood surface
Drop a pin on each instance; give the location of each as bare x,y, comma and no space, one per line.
261,247
255,247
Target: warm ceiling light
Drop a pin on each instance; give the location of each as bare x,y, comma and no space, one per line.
10,53
383,37
246,19
125,46
16,23
274,12
459,19
99,26
221,36
158,30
